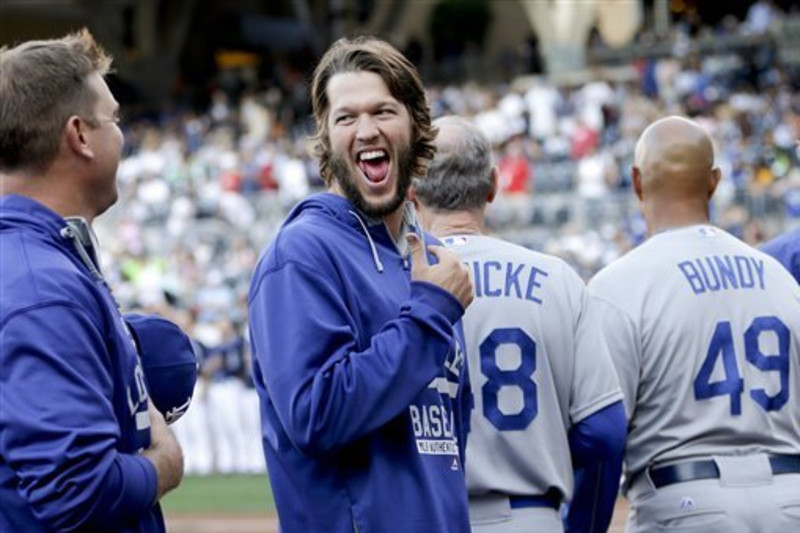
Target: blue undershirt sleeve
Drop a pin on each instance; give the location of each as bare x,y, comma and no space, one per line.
597,444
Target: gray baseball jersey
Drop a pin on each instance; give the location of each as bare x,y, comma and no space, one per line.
538,364
704,331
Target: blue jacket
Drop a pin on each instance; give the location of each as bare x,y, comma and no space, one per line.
786,249
73,406
363,388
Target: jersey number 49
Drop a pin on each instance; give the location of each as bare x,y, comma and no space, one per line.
721,347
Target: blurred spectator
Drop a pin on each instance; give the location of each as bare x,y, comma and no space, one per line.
761,16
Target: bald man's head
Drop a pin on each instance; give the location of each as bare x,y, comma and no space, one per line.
674,159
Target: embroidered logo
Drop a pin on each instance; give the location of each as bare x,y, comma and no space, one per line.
687,504
706,231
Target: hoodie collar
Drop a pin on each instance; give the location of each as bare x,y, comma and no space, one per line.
17,210
345,211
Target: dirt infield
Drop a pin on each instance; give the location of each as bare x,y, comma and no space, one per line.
216,523
620,516
210,523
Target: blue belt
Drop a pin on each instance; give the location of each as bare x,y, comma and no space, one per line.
707,469
551,500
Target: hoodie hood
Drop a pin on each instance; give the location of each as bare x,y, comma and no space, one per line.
22,213
341,209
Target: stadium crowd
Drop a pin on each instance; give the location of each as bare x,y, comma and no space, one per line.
203,192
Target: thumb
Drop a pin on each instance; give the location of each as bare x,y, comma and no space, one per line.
418,256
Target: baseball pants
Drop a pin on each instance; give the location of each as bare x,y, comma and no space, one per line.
757,493
497,513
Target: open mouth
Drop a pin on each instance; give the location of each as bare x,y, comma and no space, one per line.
374,164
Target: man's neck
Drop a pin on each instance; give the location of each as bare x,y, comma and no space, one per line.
50,191
394,222
444,223
665,217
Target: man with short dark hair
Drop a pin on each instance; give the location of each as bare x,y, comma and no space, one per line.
81,446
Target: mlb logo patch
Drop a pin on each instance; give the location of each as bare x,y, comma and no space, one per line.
707,231
455,241
687,504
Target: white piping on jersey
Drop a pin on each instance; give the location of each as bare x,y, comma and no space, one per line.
443,386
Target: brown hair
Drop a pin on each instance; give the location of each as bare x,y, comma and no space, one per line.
42,84
402,79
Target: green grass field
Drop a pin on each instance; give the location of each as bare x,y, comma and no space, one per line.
249,498
232,494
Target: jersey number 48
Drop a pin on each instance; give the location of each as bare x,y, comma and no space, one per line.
721,346
520,377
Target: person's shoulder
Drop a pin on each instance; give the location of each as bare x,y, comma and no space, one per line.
557,270
784,263
312,231
551,264
622,270
784,245
502,249
39,275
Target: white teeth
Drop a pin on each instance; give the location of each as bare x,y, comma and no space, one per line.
373,154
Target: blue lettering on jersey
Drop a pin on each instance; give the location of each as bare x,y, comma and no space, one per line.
715,273
487,288
494,279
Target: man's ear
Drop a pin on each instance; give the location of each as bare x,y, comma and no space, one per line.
411,196
636,174
716,175
495,185
76,132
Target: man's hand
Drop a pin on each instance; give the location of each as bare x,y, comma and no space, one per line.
449,273
164,452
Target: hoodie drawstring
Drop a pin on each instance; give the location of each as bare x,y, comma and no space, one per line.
378,264
70,232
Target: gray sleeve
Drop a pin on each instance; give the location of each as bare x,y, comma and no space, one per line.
620,337
594,384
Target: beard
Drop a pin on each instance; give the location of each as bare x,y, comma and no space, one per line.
343,174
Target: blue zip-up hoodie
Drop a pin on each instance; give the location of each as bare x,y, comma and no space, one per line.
363,386
786,249
73,405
